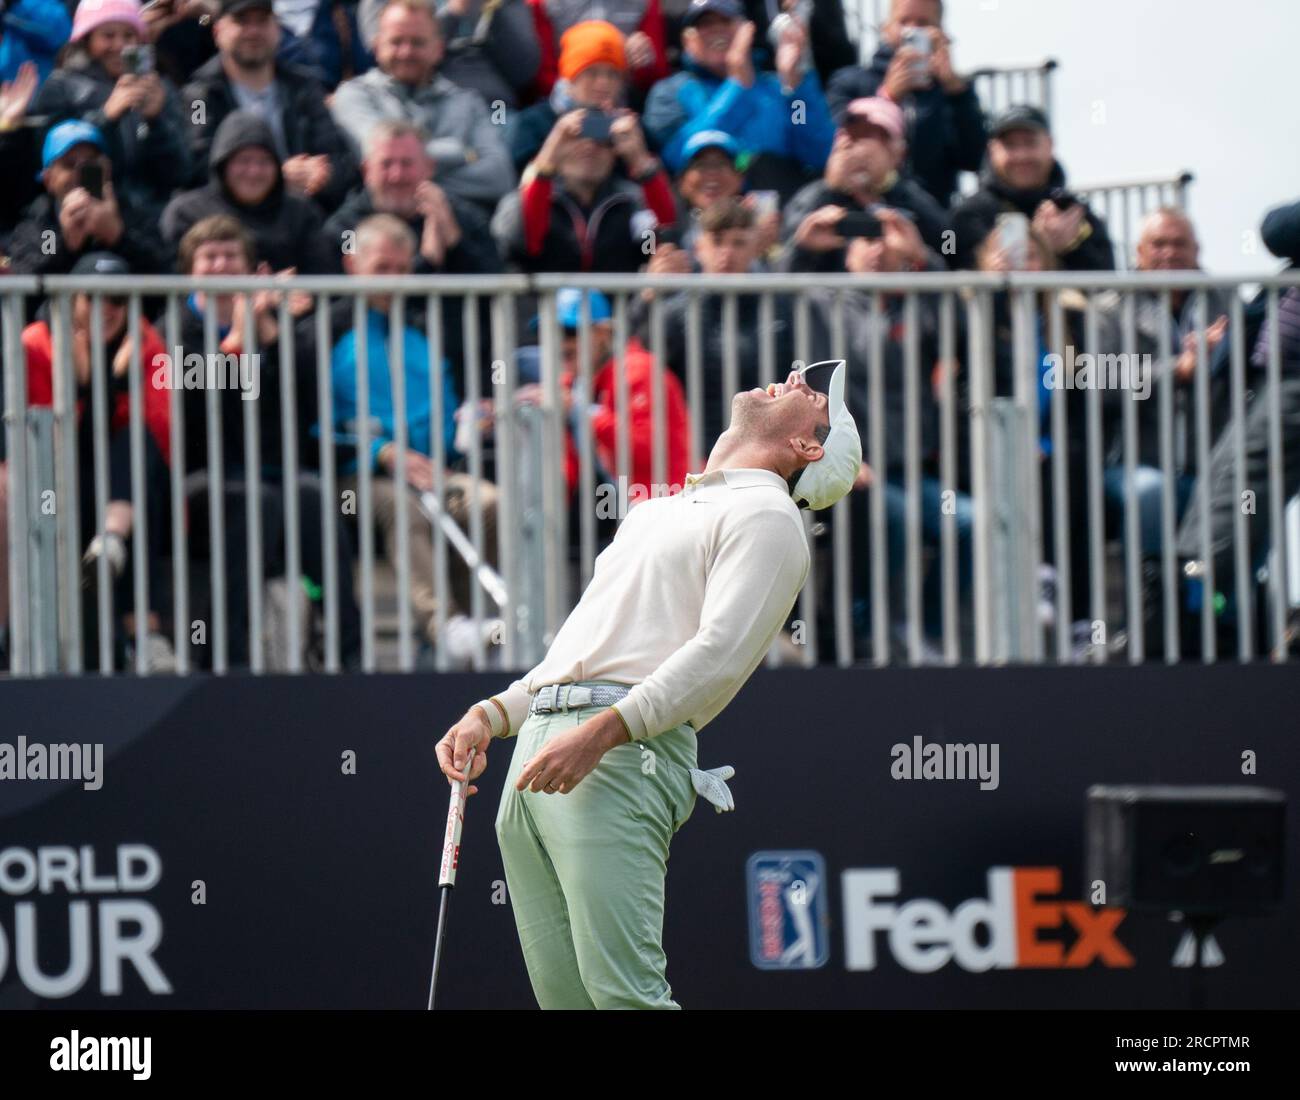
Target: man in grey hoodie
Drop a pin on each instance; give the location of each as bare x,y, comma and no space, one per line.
468,150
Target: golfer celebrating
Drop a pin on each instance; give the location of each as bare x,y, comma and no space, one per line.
682,606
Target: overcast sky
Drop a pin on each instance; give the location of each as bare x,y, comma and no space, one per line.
1151,87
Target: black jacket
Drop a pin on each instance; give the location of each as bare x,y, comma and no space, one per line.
31,252
308,126
20,153
608,236
150,157
975,217
286,229
475,253
945,133
906,194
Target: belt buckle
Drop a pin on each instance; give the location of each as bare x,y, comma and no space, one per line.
544,700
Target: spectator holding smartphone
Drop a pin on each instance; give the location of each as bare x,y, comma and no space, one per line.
714,174
913,67
572,213
862,172
79,212
106,77
1024,175
593,73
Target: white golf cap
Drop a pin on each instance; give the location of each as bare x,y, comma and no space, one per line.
823,482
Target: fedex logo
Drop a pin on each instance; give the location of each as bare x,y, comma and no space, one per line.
1022,926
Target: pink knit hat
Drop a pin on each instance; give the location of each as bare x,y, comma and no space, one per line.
95,13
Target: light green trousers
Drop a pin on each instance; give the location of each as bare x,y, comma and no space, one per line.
586,870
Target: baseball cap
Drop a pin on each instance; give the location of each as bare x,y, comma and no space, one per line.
65,135
710,139
877,111
1021,117
700,8
568,308
823,482
232,7
101,263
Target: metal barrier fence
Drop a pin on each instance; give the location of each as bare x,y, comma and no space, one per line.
1003,86
1124,203
1004,466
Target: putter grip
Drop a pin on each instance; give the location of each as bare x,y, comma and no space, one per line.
451,837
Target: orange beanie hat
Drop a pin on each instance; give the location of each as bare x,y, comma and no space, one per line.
593,42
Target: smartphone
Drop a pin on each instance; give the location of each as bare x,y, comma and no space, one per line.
859,224
916,38
669,234
1013,232
91,177
595,126
766,202
1063,199
137,60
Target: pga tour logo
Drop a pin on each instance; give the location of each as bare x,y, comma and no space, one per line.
788,920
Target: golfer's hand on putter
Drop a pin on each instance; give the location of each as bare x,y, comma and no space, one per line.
568,758
465,743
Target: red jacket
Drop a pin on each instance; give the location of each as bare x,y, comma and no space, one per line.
157,408
641,370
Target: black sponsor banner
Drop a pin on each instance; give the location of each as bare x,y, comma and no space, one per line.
273,842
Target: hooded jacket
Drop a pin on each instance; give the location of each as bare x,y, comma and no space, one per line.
285,229
150,157
308,126
945,133
975,217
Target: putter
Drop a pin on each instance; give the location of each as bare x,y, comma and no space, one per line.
450,862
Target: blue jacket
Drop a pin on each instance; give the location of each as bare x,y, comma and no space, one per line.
34,30
760,117
419,412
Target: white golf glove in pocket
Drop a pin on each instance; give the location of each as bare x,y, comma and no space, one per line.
712,785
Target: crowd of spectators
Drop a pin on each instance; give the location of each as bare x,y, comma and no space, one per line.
471,137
